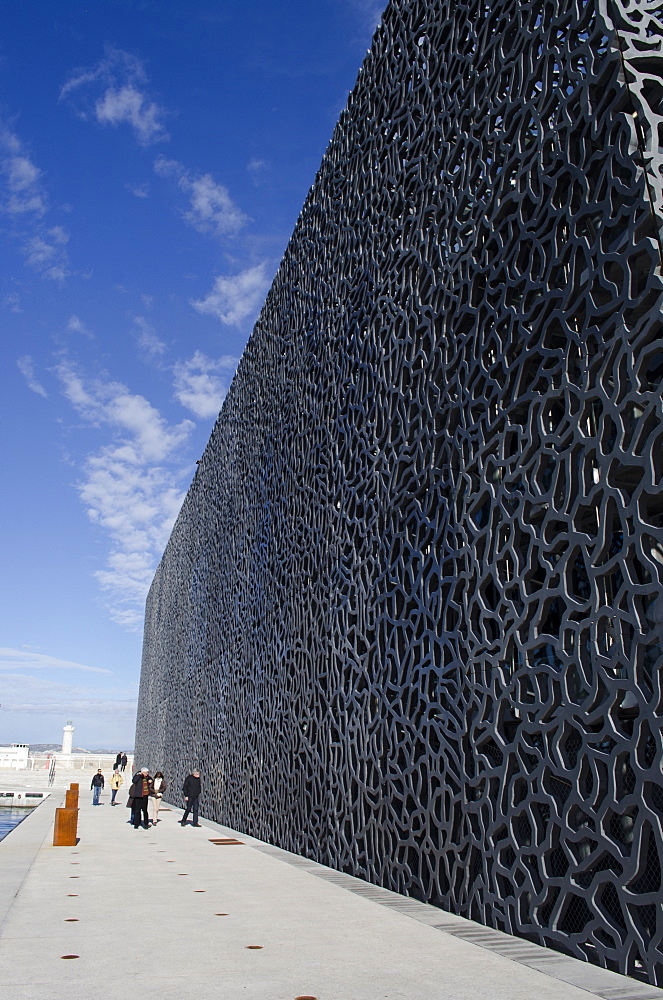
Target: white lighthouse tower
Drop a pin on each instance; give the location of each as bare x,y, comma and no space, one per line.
67,739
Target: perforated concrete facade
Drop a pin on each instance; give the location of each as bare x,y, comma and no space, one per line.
409,621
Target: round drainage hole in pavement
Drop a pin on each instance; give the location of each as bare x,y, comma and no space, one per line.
71,920
73,895
182,873
70,956
200,890
254,947
220,914
74,876
306,998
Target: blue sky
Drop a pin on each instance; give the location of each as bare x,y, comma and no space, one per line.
154,157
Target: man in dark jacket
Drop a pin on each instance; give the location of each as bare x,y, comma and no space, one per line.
96,785
191,790
139,792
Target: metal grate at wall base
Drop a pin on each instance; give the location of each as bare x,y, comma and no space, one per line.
551,963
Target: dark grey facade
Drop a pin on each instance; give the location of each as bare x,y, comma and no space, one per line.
409,621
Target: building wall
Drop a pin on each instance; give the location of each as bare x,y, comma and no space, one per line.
409,620
15,756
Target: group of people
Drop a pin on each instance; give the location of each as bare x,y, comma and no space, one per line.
145,797
120,762
97,784
146,793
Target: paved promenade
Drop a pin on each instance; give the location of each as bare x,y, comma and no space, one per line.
165,913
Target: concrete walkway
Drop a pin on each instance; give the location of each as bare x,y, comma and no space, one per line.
165,913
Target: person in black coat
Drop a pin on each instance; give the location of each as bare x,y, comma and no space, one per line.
191,791
124,761
140,793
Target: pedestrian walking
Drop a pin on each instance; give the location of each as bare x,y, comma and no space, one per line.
124,761
96,785
116,782
191,791
118,761
140,792
158,788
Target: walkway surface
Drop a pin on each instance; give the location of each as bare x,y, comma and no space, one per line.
166,913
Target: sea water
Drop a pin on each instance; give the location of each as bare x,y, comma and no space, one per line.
9,818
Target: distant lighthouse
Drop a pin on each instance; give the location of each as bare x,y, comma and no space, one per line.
67,738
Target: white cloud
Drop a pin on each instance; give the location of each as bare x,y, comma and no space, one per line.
13,302
169,168
128,105
23,191
370,14
131,487
124,100
27,370
44,251
21,659
138,190
147,337
235,297
199,385
23,200
111,403
212,210
77,325
257,170
88,704
23,186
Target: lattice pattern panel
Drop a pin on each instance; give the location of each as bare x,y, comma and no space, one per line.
409,621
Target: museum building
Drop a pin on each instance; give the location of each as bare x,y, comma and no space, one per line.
410,618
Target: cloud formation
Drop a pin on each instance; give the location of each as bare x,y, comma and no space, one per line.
235,298
211,210
44,251
76,325
138,190
124,99
101,707
24,192
147,338
258,170
27,370
22,659
131,487
201,383
23,201
370,14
